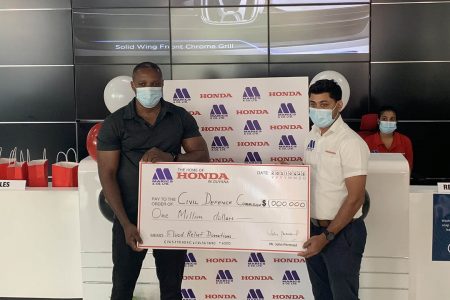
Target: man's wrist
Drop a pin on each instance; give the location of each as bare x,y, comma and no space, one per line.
174,156
329,235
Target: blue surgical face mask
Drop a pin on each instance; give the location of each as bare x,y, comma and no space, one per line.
387,126
149,96
322,118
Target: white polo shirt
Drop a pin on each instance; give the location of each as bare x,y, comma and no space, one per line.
338,154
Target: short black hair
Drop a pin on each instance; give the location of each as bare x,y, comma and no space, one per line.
147,65
326,86
387,108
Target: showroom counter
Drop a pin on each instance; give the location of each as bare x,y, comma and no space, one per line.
428,279
40,243
40,254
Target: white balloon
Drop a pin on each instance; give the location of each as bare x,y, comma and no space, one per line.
339,79
118,93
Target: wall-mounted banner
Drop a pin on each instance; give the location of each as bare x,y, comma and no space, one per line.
441,227
237,207
251,120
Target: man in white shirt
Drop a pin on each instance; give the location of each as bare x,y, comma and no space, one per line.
338,159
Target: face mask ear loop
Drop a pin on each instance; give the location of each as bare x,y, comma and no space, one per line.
334,119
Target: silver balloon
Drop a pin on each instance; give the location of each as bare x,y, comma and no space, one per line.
339,79
118,93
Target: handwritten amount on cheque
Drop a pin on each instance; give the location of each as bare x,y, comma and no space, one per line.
182,208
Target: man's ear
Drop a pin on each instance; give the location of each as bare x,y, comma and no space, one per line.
340,105
133,87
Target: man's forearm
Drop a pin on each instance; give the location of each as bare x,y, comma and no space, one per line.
194,156
355,198
112,194
345,214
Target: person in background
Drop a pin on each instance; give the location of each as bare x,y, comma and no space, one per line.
387,139
148,129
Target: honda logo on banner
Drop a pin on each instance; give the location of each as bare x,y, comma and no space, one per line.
287,142
195,113
251,94
255,294
286,296
221,159
286,110
219,143
162,176
253,158
218,112
190,260
188,294
181,96
217,260
290,260
224,277
291,277
256,259
252,127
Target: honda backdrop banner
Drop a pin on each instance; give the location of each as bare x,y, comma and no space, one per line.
252,120
246,120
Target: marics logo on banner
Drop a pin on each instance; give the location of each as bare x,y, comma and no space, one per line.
224,277
285,94
286,110
181,95
188,294
287,142
215,95
286,127
190,260
256,259
252,112
253,158
219,143
218,111
252,127
291,277
217,128
255,294
251,94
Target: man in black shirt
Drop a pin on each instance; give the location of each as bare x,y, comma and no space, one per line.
152,130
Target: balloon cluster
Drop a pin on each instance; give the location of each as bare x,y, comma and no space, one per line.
117,94
91,140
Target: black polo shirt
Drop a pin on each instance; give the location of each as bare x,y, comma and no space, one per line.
124,130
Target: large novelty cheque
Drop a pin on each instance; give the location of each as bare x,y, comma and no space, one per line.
237,207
